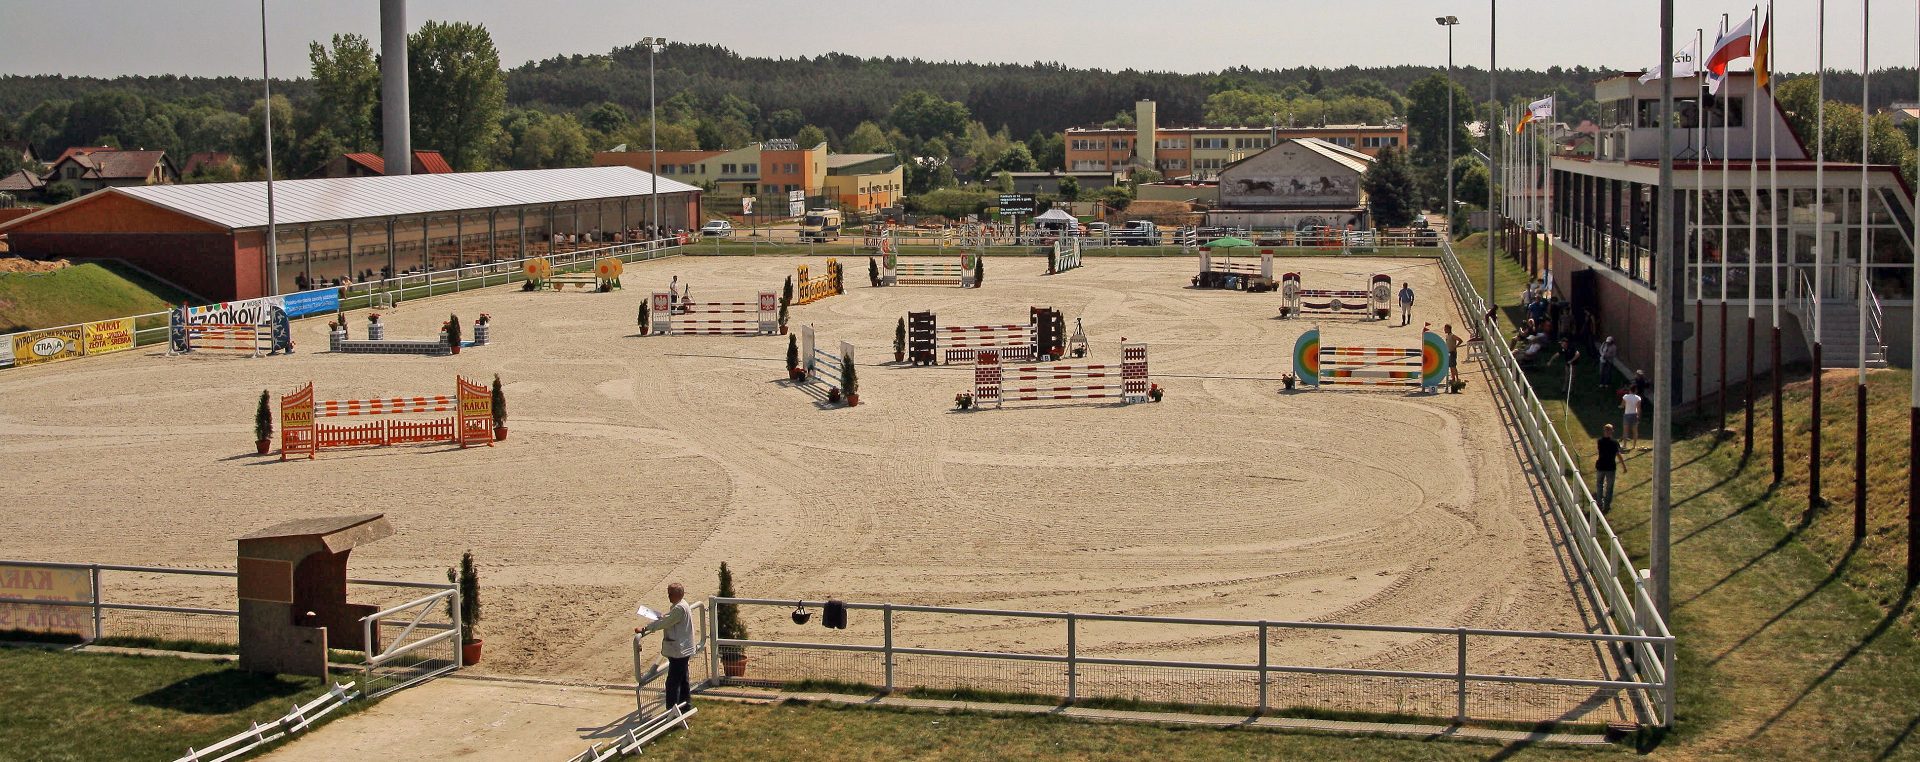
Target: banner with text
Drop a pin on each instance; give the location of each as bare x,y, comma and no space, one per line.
44,584
50,345
108,336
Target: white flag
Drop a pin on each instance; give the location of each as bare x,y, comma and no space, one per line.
1541,110
1686,63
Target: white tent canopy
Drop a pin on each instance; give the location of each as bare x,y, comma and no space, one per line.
1056,213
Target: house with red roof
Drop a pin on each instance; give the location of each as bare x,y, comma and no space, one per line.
373,165
90,169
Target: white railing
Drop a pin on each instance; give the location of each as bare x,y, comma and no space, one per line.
1875,317
1619,588
415,285
302,717
1072,657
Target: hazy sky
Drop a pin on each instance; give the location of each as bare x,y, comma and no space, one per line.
222,37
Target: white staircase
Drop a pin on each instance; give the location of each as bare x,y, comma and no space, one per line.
1840,328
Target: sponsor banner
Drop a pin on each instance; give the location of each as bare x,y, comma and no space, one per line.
51,345
6,350
244,312
40,583
317,301
108,336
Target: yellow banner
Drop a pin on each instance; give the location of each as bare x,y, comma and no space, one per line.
51,345
108,336
40,583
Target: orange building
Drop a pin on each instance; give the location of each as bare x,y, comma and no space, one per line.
1201,152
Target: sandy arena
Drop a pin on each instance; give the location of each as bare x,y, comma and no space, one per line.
634,461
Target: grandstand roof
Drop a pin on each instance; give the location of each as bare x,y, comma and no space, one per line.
244,205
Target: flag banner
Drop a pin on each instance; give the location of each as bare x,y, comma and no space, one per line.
1733,45
1686,63
1763,53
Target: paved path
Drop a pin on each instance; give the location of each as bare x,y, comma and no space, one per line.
467,719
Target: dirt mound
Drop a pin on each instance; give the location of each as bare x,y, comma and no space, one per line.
20,265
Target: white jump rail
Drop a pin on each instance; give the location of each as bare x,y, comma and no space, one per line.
302,717
1627,608
636,738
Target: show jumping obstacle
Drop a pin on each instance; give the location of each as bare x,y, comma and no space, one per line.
687,318
470,425
808,290
1128,381
1374,301
821,365
1042,337
377,343
1225,273
605,275
1065,256
1424,367
269,338
962,272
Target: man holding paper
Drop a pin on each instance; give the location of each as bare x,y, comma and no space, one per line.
676,643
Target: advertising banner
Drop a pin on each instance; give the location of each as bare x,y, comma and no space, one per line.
108,336
317,301
40,583
51,345
244,312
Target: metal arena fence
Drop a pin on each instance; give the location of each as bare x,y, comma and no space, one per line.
1074,657
165,606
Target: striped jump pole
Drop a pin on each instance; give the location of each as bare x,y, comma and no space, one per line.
1129,381
1424,367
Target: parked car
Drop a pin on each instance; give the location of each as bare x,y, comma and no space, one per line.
1138,233
717,229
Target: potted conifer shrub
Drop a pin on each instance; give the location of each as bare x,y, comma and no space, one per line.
900,341
786,299
873,273
849,381
979,271
643,317
733,659
263,424
794,371
499,410
468,582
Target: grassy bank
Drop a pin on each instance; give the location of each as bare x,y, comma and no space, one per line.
85,706
83,292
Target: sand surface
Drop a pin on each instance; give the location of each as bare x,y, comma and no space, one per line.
634,461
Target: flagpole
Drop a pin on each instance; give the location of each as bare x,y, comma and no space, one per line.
1861,295
1819,248
1913,412
1699,217
1773,237
1493,173
1753,230
1668,354
1726,127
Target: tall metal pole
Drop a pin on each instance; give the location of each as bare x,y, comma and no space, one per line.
1700,218
1819,251
273,231
1668,337
1779,291
1726,141
396,119
1753,232
1913,412
1450,129
1493,132
1861,295
653,136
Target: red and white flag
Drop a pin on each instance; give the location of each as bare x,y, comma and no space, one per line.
1734,44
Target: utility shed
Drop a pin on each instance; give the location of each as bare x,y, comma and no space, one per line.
293,592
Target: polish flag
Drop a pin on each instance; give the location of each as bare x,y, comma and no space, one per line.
1734,44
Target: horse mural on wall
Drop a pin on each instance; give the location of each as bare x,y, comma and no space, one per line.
1298,187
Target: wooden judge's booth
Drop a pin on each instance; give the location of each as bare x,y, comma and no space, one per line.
293,592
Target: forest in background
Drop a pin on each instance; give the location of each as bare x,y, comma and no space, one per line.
950,121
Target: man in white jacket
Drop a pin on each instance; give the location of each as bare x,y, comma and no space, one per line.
677,644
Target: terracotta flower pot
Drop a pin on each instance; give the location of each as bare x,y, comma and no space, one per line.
470,652
734,665
852,400
261,446
499,433
900,356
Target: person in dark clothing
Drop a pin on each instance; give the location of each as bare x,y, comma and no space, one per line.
1604,467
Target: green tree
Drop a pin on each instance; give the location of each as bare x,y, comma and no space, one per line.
1016,159
921,115
346,87
605,118
1392,194
1004,181
1427,125
254,146
786,122
1070,188
458,91
1049,150
867,138
1242,108
1469,180
809,136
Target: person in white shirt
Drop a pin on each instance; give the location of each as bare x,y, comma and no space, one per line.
1630,418
677,644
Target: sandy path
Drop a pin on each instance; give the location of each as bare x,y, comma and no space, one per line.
634,461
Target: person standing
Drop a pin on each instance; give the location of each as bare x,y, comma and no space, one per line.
1604,466
1630,416
677,644
1454,343
1608,351
1406,303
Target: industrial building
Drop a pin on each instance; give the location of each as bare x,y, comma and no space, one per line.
1202,152
211,238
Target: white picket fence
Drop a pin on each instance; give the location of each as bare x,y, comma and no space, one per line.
302,717
636,737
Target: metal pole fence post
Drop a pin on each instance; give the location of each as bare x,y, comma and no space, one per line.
1073,669
639,703
93,575
1667,680
713,651
886,622
459,637
1460,678
1263,667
